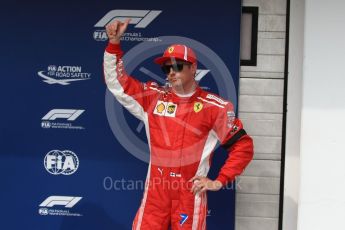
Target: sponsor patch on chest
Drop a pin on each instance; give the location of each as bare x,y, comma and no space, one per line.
198,107
220,101
164,108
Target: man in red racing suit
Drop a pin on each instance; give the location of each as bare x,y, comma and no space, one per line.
183,125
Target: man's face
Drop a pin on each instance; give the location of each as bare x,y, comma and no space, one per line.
180,74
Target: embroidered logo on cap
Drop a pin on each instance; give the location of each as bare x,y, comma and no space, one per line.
171,49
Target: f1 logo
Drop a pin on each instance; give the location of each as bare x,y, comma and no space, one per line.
200,73
67,201
141,18
69,114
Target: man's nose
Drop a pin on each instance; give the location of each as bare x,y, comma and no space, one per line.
171,71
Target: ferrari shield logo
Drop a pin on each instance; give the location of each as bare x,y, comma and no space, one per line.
171,49
197,107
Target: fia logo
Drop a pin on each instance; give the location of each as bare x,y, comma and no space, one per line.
58,162
46,124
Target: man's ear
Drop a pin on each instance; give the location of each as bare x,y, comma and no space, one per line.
194,68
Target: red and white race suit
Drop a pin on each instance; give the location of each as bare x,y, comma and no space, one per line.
182,135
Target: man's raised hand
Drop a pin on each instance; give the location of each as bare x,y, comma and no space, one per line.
115,30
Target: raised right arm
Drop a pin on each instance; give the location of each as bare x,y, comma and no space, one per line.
128,91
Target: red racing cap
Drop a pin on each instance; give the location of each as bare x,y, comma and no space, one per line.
177,51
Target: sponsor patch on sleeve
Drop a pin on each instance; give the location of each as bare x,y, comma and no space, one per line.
231,118
217,99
